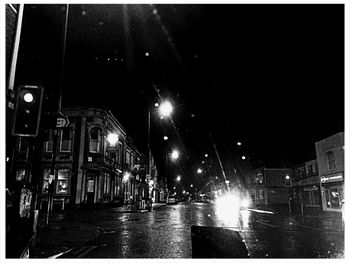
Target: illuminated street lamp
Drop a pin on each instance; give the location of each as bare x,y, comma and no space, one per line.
178,178
126,176
227,182
243,157
165,109
239,143
206,155
191,185
165,138
175,155
199,171
112,139
287,177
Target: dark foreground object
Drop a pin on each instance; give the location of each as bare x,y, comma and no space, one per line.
217,242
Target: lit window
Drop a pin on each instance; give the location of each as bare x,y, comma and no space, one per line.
46,179
62,181
20,174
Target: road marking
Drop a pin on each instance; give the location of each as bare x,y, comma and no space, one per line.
60,254
260,211
83,251
266,224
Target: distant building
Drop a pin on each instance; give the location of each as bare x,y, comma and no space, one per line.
306,187
96,162
269,186
330,160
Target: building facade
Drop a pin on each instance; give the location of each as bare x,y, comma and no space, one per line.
306,188
95,162
330,160
269,186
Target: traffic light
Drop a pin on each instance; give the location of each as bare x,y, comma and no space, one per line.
28,111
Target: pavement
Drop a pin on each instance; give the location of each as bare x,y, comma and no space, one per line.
63,235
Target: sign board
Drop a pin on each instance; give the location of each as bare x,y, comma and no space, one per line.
62,122
332,178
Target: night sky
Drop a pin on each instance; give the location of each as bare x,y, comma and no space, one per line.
270,76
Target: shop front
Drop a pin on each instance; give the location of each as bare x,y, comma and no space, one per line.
332,191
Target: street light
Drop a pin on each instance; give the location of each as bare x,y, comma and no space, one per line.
239,143
112,139
175,155
199,171
191,185
165,109
178,178
206,155
243,157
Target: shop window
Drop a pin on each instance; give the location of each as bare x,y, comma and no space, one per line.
311,198
20,175
62,181
330,160
66,140
94,140
332,198
46,179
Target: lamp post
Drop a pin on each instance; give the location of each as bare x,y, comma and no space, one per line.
164,109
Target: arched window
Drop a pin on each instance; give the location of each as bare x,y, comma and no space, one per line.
330,160
94,140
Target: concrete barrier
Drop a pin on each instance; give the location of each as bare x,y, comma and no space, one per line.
217,242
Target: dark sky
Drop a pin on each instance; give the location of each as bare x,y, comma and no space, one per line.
270,76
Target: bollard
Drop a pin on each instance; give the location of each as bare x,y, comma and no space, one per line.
217,242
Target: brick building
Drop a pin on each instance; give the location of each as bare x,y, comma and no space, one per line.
330,159
96,162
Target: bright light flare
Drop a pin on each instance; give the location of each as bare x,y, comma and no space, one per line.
165,109
175,154
126,176
245,203
227,208
112,139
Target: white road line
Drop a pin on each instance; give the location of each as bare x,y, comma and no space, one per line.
87,251
266,224
60,254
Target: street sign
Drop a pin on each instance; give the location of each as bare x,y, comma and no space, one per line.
62,122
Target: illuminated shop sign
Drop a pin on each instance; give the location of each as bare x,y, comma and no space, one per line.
332,178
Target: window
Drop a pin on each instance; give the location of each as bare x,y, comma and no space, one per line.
310,170
127,157
46,179
330,160
107,182
333,198
20,174
311,198
23,144
62,181
94,140
66,140
48,142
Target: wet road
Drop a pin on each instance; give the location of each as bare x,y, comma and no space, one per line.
166,233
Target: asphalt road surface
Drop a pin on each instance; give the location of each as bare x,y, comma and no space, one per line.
166,233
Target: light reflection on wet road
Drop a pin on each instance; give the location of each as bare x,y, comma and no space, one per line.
166,233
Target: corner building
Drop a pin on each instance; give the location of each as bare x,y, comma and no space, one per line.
92,168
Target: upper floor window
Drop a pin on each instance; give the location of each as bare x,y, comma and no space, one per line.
94,140
127,157
48,141
66,140
330,160
310,170
23,144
